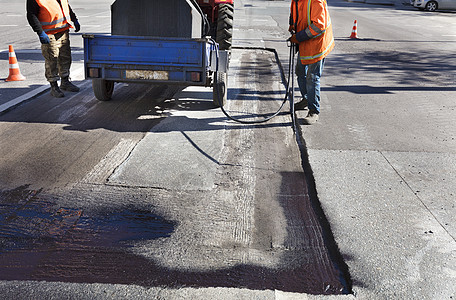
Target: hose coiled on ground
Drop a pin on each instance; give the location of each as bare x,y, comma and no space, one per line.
289,83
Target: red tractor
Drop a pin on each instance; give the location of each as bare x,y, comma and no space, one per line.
220,15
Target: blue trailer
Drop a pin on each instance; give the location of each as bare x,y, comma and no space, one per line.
157,60
160,42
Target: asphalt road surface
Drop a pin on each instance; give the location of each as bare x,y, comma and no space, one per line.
228,204
161,194
147,197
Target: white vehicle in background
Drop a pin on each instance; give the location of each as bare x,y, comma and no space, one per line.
433,5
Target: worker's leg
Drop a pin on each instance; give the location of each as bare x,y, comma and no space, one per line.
51,54
64,54
314,72
65,63
301,74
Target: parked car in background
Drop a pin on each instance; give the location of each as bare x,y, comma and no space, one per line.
433,5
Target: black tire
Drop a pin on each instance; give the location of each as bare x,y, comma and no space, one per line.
103,89
219,92
225,26
431,6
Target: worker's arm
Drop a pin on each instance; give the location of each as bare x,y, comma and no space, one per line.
72,15
32,12
75,21
291,20
32,16
317,22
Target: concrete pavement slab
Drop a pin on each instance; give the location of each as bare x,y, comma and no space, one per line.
432,178
393,245
189,154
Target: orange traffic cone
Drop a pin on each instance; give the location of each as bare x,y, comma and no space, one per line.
14,73
354,34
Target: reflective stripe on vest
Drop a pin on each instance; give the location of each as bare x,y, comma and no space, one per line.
54,17
56,21
312,25
57,29
319,54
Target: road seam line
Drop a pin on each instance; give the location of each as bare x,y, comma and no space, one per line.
416,195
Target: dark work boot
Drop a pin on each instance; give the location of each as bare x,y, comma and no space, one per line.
55,90
312,118
66,85
301,105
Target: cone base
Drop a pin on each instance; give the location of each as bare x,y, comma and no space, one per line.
15,78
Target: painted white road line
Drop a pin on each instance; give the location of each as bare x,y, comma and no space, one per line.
23,98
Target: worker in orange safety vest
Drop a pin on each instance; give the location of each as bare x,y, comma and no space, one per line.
310,26
50,19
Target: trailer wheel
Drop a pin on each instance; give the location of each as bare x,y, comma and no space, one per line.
219,92
225,26
103,89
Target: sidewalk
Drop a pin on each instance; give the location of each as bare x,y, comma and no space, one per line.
397,3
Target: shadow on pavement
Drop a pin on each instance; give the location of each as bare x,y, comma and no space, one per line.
401,70
43,241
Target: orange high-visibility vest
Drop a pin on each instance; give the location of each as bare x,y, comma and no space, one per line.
53,17
313,17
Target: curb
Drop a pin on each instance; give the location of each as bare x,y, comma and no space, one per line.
4,108
10,105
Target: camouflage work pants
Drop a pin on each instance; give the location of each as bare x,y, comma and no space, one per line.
57,56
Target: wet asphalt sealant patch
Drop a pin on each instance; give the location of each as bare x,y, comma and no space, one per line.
41,241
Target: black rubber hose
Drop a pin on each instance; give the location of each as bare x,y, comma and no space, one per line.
206,25
289,93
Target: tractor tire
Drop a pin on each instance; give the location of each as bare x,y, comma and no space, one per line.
219,92
225,26
103,89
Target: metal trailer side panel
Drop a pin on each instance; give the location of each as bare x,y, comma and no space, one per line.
144,59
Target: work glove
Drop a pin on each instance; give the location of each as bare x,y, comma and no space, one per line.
44,39
77,26
293,39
